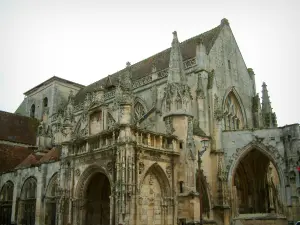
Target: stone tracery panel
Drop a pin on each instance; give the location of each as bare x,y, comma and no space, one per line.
153,199
233,116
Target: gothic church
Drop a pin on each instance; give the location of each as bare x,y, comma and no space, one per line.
181,137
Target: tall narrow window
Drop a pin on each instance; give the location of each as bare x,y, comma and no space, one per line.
181,186
32,111
229,65
45,102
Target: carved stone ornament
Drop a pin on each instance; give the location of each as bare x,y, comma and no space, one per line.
109,167
169,171
141,167
77,172
169,125
151,179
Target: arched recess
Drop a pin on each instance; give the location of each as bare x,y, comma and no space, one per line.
6,200
27,204
202,188
93,202
254,187
234,111
154,197
51,200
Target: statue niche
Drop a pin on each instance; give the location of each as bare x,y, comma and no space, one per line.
96,122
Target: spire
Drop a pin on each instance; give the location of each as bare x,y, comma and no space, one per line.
176,67
269,117
266,104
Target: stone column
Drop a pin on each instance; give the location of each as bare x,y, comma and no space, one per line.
38,208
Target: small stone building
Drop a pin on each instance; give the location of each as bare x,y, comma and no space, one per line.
181,137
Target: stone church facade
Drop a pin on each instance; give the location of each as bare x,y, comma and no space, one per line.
181,137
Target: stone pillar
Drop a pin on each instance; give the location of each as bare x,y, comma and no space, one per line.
38,209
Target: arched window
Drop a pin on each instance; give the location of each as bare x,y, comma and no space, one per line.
233,117
139,111
51,199
45,102
6,200
27,203
32,111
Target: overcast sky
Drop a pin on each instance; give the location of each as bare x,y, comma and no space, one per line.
84,41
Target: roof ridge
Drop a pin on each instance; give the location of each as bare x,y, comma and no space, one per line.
142,68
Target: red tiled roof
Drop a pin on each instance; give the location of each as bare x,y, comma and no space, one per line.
18,129
53,154
31,159
11,156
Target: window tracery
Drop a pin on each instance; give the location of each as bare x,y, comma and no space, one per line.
233,117
6,200
139,111
28,202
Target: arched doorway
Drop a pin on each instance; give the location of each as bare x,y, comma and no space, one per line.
97,202
6,199
28,202
154,199
256,185
51,199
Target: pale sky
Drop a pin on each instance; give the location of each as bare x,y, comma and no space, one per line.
84,41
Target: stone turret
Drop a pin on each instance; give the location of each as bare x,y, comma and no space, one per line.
269,118
179,120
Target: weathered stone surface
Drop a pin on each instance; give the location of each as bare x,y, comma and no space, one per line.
129,145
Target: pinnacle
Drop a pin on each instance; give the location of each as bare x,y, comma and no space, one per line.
174,34
224,21
128,64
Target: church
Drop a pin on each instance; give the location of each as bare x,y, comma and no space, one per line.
182,137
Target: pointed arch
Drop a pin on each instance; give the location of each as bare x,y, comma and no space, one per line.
156,169
154,194
139,109
234,111
85,178
51,190
248,171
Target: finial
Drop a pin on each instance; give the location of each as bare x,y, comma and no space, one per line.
225,21
264,84
128,64
174,34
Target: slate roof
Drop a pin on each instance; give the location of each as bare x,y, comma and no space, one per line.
18,129
160,60
11,156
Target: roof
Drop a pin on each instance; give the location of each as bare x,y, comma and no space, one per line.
11,156
18,129
53,154
160,60
31,159
54,78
